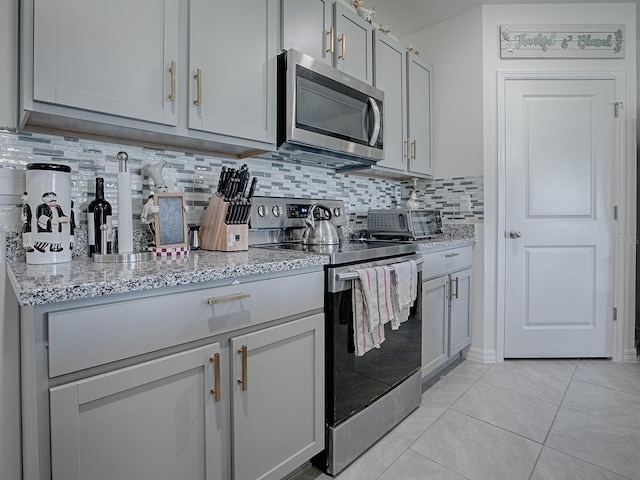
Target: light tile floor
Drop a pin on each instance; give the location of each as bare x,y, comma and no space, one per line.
521,419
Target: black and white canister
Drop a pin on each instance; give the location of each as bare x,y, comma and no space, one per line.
47,217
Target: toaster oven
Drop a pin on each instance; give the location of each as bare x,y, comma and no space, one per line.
404,223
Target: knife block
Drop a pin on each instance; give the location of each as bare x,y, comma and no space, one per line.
217,235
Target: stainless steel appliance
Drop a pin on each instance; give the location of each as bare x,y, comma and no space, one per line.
366,396
327,115
404,223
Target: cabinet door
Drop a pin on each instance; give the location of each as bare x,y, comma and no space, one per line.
353,45
307,26
278,399
232,56
435,315
109,57
420,106
390,77
460,323
149,421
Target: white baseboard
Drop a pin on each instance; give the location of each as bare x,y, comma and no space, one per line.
629,355
482,356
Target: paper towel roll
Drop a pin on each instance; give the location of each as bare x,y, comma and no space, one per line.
125,215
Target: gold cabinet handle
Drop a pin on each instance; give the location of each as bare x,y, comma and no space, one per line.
198,78
215,391
456,287
413,150
330,33
343,46
172,71
243,379
228,298
405,150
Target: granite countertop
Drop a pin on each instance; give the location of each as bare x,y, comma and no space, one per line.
83,278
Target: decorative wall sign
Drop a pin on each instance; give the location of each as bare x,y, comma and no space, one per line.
562,41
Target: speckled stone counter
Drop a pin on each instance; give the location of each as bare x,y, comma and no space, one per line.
454,235
82,278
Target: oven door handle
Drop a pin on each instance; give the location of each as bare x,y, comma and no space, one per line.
354,275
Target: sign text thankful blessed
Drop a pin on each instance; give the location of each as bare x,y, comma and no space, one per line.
562,41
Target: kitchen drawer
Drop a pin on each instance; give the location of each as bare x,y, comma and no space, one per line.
446,261
85,337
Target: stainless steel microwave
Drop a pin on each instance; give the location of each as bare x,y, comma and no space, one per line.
327,112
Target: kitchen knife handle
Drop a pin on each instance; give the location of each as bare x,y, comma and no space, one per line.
172,71
243,379
198,78
252,189
215,391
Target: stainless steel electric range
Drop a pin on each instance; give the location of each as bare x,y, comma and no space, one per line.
366,396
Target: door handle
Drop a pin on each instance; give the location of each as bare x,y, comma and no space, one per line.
376,121
515,234
198,78
215,391
243,379
330,33
343,46
172,71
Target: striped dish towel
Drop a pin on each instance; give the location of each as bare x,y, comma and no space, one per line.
404,287
372,307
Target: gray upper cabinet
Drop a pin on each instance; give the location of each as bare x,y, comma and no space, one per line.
331,32
232,49
420,109
93,56
189,74
406,81
390,76
307,26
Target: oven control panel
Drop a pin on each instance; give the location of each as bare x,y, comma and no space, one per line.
286,212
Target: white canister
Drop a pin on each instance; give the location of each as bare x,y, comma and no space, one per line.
47,216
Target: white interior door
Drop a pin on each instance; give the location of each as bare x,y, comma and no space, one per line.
559,227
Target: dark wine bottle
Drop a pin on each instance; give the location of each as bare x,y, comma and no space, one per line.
99,219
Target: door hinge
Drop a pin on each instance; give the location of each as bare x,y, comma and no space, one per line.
615,313
617,107
615,212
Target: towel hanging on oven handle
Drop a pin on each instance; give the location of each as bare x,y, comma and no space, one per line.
354,275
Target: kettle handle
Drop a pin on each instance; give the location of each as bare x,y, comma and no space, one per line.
310,220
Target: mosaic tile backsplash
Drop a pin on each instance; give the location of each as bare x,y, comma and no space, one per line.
196,174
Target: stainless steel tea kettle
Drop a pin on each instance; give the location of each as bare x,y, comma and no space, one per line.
319,231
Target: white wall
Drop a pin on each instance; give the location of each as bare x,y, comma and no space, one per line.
492,17
454,48
9,336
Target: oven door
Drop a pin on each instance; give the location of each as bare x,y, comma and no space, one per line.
353,383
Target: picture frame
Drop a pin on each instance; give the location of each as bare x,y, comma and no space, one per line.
171,220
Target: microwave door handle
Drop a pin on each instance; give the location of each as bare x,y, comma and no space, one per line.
376,119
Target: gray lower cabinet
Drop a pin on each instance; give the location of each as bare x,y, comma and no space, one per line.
149,421
277,395
446,306
208,381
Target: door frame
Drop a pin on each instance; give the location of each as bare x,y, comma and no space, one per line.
624,196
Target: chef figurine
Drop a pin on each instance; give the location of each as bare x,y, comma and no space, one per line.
50,220
413,203
27,238
148,215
